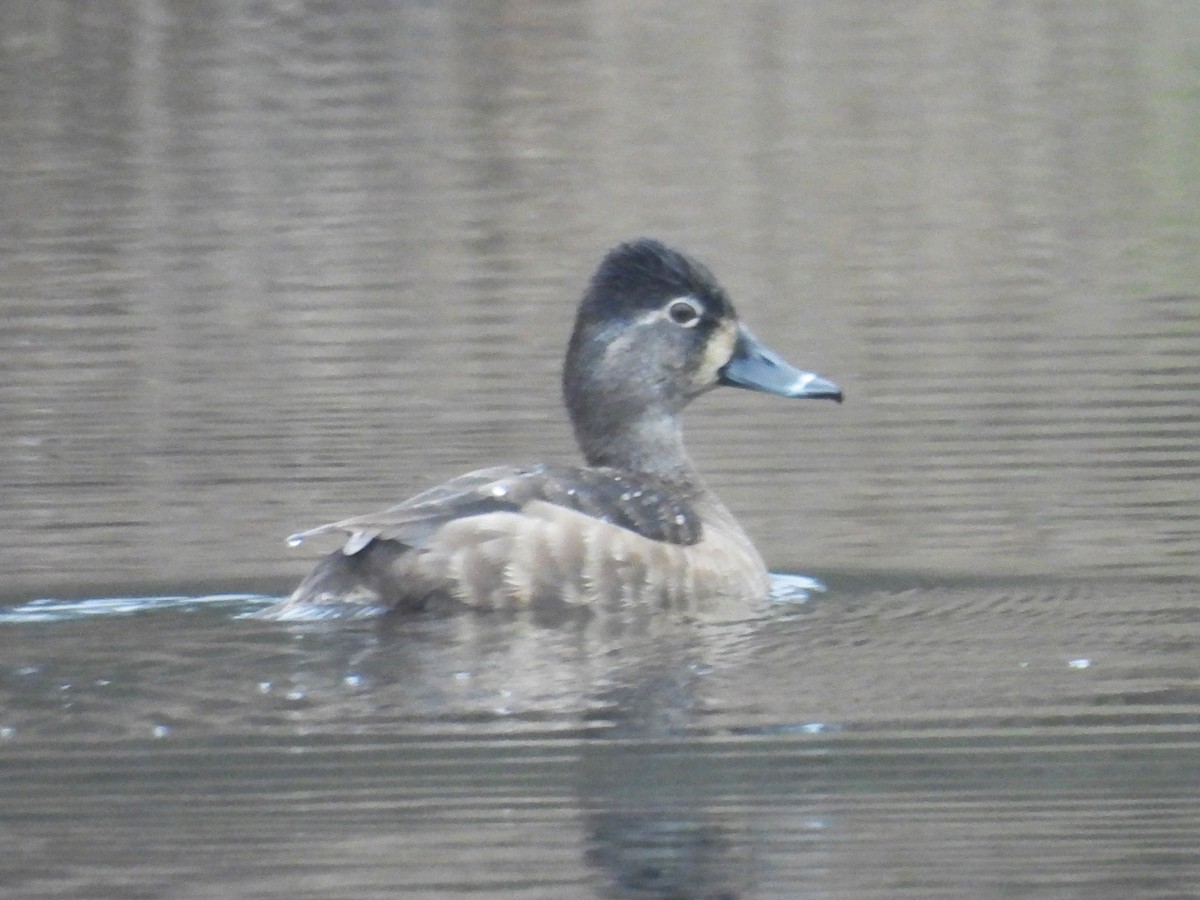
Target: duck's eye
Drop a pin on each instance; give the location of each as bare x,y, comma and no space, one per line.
684,312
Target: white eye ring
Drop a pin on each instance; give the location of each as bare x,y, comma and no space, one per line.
685,312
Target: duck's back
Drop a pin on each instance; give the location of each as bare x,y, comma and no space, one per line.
538,535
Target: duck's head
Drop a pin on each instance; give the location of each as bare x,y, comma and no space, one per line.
655,330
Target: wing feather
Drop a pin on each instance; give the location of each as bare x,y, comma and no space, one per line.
649,506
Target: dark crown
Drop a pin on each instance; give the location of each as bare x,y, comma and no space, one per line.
642,274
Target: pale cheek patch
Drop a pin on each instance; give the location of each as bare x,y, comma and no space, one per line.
717,352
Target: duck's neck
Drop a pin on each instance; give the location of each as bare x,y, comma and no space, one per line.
650,444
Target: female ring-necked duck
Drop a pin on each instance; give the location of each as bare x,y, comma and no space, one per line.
636,524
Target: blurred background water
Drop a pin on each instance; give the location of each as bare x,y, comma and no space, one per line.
267,264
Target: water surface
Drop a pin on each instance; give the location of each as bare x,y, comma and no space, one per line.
869,742
264,266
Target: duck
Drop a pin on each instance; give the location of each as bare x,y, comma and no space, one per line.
635,524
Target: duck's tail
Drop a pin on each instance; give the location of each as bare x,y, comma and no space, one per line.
345,586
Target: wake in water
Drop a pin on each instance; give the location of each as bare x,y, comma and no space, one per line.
785,588
69,610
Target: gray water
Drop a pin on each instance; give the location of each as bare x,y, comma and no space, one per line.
266,265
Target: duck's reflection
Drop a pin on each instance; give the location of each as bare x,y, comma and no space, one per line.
650,793
655,796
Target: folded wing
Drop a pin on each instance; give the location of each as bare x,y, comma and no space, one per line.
651,507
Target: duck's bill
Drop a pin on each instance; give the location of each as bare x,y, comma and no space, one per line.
757,367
